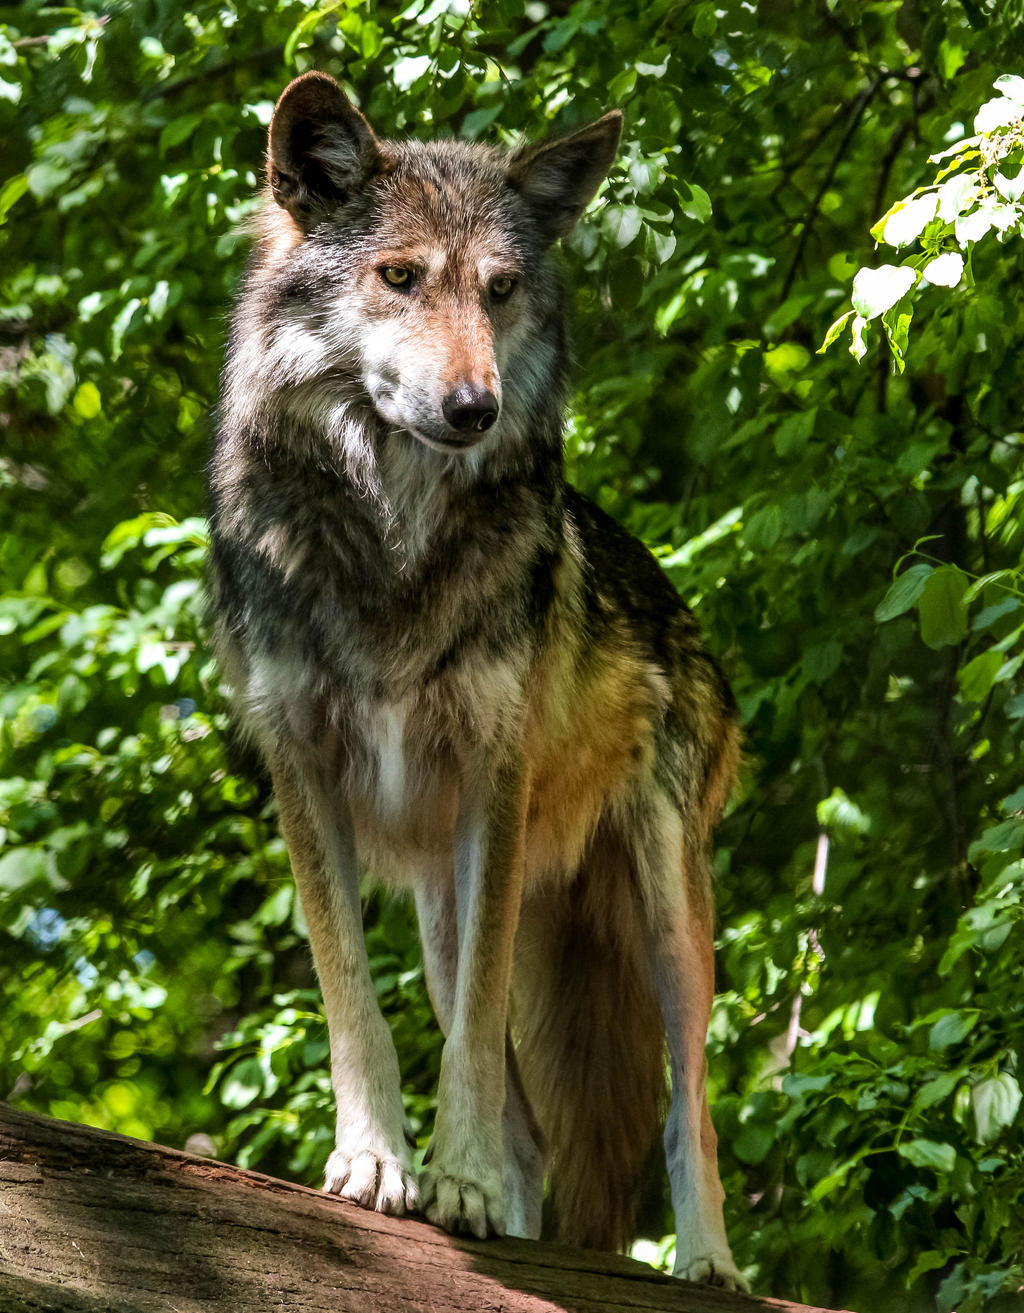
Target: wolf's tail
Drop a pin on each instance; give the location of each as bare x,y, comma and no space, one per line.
591,1045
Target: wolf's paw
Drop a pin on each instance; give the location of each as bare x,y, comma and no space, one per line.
372,1180
459,1204
711,1270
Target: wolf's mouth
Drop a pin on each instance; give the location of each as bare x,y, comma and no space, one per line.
448,445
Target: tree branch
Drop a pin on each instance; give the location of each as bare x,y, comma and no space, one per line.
97,1223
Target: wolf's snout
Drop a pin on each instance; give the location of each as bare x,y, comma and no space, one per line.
470,407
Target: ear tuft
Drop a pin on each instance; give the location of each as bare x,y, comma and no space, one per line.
559,177
320,150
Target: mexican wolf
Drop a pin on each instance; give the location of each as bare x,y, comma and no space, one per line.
469,681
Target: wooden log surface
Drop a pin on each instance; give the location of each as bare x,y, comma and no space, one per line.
92,1222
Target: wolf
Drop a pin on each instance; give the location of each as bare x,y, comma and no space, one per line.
469,681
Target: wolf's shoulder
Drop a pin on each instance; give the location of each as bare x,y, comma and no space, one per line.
619,564
625,589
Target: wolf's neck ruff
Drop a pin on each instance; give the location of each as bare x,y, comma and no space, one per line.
291,400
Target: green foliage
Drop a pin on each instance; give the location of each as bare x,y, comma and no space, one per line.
851,537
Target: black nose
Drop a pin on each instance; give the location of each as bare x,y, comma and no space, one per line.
470,407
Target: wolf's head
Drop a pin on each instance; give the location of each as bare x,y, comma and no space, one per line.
412,278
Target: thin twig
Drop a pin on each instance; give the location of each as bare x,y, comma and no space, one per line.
789,168
860,104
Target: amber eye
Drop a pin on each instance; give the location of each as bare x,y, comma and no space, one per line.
395,276
501,288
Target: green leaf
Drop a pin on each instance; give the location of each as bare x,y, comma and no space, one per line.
821,661
941,607
978,676
697,205
478,119
951,1029
938,1088
753,1143
786,358
929,1261
179,130
12,192
995,1102
244,1083
903,592
622,223
303,30
929,1153
834,332
764,528
896,322
705,20
795,432
87,401
47,178
127,535
834,1180
840,813
23,867
994,577
1013,803
1006,837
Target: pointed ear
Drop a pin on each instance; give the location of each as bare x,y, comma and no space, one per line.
320,149
558,178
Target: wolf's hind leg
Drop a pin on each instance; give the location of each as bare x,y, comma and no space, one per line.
371,1163
523,1172
683,969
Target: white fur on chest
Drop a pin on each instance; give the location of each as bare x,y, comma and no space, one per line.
398,757
382,728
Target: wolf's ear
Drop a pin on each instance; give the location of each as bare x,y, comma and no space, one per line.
558,178
320,149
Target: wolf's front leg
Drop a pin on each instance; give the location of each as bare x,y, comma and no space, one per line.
371,1164
462,1182
523,1178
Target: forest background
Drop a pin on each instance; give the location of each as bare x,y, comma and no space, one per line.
847,526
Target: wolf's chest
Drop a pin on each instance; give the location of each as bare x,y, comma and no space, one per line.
386,766
405,766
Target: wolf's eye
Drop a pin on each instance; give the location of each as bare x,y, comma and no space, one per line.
395,276
501,288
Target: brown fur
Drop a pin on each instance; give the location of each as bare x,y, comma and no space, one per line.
591,1043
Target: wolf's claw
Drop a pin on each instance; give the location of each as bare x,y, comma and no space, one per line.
712,1270
461,1205
377,1181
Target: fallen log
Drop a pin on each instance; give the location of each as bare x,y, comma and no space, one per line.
92,1222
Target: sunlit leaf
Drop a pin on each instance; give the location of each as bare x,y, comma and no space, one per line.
876,290
945,270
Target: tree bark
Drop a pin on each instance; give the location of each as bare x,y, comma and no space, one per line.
92,1222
